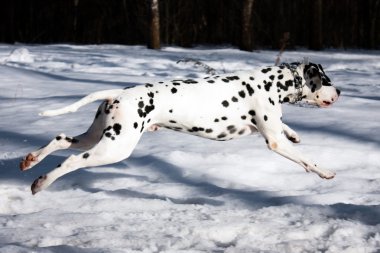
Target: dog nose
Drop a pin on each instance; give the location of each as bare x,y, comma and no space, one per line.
338,91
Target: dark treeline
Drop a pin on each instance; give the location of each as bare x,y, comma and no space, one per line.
314,24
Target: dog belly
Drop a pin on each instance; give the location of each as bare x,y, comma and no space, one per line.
222,130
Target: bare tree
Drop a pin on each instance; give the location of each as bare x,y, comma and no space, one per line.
154,22
315,34
246,40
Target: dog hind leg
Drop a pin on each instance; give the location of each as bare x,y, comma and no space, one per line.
108,150
81,142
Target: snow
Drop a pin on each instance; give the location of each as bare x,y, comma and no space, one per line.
180,193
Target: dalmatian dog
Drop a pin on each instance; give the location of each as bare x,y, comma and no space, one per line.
220,107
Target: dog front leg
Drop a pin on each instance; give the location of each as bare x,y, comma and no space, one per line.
281,146
272,130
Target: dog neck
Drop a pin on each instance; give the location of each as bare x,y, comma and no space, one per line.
294,88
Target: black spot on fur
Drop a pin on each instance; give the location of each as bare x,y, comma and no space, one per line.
107,108
190,81
253,121
252,113
266,70
142,127
222,135
208,130
71,140
173,90
225,103
195,129
151,94
250,89
271,101
58,138
267,86
241,132
242,94
135,125
285,87
280,76
265,117
171,110
259,86
271,77
176,84
148,85
289,83
148,109
231,129
234,99
141,104
216,120
286,100
224,118
172,121
231,78
86,155
225,80
141,113
313,88
117,128
251,78
211,81
243,117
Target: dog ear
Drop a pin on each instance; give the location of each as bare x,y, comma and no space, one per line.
311,71
321,68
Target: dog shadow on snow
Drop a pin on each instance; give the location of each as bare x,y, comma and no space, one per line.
207,192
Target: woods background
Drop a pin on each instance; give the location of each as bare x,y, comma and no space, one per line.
247,24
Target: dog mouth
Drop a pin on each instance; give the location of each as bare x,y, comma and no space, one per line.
325,104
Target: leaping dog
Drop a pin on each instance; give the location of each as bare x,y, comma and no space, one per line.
220,107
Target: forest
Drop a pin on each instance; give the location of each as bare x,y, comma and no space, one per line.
246,24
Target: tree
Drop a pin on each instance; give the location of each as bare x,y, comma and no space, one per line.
154,25
246,40
315,34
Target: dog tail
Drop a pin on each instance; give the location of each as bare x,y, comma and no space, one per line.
106,94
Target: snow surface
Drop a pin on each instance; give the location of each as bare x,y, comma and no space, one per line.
181,193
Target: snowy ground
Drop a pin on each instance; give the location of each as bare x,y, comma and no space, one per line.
180,193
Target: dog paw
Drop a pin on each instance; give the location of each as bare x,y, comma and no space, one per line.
294,139
327,174
38,184
292,136
29,161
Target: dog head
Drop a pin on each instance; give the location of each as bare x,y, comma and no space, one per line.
318,89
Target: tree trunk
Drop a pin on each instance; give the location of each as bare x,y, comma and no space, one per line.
315,33
372,23
246,39
154,22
